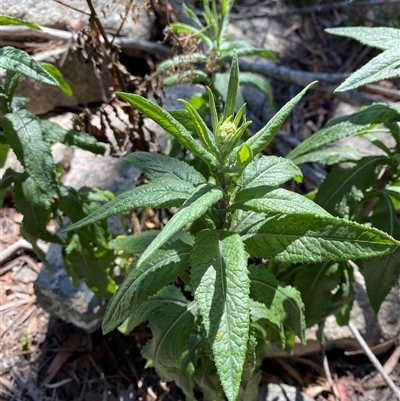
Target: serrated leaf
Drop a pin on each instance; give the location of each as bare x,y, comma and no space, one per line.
171,326
221,288
36,208
384,66
343,189
317,283
24,133
283,301
16,60
54,133
6,20
243,221
167,296
267,199
331,155
170,124
142,281
383,38
269,170
311,239
161,193
56,74
345,126
198,204
154,165
263,137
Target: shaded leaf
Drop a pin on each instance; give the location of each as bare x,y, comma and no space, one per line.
331,155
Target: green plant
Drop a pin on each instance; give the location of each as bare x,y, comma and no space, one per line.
37,192
218,49
219,249
368,192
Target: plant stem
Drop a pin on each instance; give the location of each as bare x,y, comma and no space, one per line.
374,360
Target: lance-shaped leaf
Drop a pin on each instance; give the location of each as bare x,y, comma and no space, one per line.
181,59
161,193
154,165
142,282
56,74
24,133
169,295
244,49
221,85
233,87
381,37
202,199
311,239
171,326
52,133
282,300
267,199
170,124
5,20
381,274
345,126
16,60
383,66
263,137
221,288
204,133
343,189
331,155
269,170
192,76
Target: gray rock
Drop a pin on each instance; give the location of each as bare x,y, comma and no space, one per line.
52,14
281,392
57,296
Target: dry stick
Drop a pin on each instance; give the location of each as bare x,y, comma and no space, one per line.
374,360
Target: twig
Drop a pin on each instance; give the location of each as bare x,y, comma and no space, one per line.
374,360
71,7
327,371
312,9
9,252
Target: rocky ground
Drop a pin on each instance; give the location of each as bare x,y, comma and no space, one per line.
45,358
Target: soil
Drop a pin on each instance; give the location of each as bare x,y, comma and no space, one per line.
43,358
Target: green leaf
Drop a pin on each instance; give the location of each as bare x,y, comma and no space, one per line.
265,199
54,133
4,148
161,193
345,126
244,155
383,38
6,20
221,288
381,275
317,284
6,180
84,260
171,326
284,302
181,59
263,137
56,74
169,295
192,15
205,135
260,83
343,189
179,28
170,124
311,239
213,109
269,170
24,133
244,49
331,155
143,281
16,60
244,221
221,85
35,206
194,207
233,88
192,76
154,165
384,66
